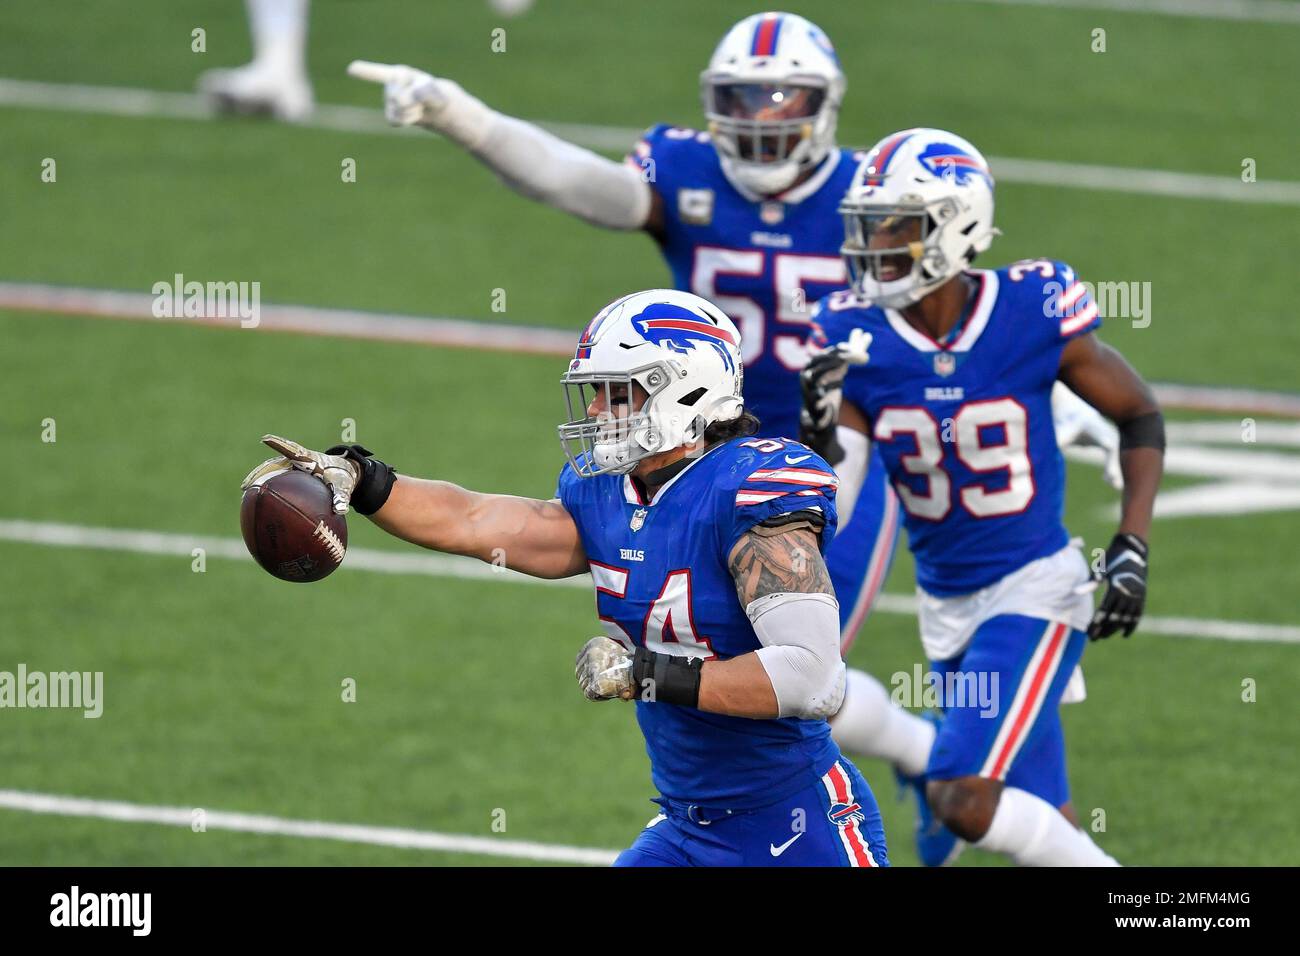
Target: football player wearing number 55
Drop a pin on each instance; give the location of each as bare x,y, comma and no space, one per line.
705,546
949,372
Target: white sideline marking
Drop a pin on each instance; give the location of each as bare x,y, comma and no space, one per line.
307,320
495,336
1266,433
122,101
1256,11
304,829
437,565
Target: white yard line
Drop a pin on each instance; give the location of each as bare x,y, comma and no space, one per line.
436,565
308,320
121,101
494,336
1252,11
48,803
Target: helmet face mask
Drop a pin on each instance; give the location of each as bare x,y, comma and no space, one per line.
771,94
763,123
896,248
629,426
651,372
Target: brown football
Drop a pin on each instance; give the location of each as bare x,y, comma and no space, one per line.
290,527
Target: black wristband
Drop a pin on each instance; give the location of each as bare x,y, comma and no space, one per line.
1145,431
666,679
1126,539
376,481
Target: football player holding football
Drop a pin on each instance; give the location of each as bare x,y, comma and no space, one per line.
705,546
949,371
745,216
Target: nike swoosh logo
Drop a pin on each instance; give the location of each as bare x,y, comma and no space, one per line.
778,850
795,461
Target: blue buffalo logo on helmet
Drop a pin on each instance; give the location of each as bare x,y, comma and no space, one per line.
951,162
680,329
842,814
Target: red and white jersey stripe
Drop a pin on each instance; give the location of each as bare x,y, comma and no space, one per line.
1077,309
839,788
1030,694
766,484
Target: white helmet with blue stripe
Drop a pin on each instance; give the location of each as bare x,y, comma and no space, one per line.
659,367
772,94
918,212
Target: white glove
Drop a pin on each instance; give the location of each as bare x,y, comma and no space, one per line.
415,98
604,670
856,349
340,474
1078,423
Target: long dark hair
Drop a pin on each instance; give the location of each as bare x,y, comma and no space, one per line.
746,423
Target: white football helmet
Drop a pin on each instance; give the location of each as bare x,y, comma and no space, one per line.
677,349
772,95
919,209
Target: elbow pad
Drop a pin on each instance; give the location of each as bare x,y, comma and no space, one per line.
800,634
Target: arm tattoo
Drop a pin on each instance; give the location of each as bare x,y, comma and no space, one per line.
772,563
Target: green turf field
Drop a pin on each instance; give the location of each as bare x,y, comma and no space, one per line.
222,688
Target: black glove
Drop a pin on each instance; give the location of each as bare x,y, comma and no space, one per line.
822,383
376,479
1126,588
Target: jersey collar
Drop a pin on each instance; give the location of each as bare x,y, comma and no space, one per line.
986,296
634,493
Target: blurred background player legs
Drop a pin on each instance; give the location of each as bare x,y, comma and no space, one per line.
275,82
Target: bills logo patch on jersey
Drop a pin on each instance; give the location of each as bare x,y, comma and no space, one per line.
695,206
842,814
949,162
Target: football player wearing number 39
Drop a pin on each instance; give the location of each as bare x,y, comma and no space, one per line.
949,372
705,548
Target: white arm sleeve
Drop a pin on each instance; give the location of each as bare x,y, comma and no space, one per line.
539,165
852,471
544,167
800,634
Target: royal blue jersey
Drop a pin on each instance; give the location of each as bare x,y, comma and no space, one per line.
662,581
762,260
965,426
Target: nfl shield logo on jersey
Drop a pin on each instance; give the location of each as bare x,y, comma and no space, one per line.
842,814
638,519
771,212
945,363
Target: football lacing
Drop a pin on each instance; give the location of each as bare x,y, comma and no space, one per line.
332,542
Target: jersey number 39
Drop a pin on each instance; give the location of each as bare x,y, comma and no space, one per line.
1010,456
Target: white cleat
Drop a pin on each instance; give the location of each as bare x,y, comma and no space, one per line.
255,90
